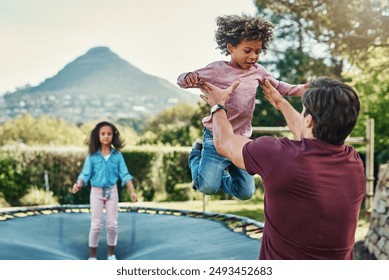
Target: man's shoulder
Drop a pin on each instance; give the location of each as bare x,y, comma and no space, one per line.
274,140
270,144
264,152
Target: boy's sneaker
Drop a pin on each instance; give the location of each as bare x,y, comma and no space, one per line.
198,144
92,259
111,258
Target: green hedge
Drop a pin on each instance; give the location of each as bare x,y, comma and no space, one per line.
156,171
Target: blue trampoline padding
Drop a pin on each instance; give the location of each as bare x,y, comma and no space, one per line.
142,236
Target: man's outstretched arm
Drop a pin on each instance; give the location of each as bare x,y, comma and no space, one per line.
226,142
292,117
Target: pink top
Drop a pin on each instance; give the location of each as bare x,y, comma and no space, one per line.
241,104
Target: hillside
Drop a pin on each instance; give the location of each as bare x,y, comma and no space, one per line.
98,84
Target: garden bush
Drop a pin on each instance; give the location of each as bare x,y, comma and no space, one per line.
156,171
36,196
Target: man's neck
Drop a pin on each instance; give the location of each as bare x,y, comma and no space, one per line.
308,133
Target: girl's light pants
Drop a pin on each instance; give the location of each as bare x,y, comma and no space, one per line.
107,199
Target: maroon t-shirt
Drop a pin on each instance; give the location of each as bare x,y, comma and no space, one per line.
313,194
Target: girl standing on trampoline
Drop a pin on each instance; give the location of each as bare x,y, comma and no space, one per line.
243,38
104,166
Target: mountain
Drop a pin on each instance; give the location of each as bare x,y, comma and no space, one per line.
98,84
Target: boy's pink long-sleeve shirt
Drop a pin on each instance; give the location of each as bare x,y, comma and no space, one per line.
241,104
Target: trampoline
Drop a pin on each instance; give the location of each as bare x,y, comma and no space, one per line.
61,233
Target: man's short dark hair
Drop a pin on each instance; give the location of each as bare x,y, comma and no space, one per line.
334,107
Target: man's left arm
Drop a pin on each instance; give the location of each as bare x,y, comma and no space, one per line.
226,142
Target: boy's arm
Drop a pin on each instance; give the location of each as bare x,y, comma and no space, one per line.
292,90
283,88
189,80
196,78
286,89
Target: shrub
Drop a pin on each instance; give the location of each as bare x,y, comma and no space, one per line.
3,202
184,192
36,196
12,180
155,170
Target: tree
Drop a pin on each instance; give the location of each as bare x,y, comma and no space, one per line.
173,126
344,30
353,27
138,124
345,39
46,130
40,131
372,84
289,58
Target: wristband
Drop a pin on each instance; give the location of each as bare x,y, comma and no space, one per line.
218,107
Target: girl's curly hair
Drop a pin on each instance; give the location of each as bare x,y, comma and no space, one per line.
233,29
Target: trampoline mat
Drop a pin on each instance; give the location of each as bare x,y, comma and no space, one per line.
142,236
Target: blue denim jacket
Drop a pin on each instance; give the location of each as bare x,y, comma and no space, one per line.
105,173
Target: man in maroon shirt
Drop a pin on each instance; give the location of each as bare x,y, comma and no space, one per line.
314,186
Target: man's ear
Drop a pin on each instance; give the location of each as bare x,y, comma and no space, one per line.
308,122
230,48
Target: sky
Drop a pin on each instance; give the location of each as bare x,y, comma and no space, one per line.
163,38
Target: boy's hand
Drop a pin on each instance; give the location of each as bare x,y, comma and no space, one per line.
192,80
301,92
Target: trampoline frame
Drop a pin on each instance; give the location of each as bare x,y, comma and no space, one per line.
235,223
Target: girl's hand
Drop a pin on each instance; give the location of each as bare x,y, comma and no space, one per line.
76,188
131,189
134,198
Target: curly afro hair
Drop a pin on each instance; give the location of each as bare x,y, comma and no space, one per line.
232,29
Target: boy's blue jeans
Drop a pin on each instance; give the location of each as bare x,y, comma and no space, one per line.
209,173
